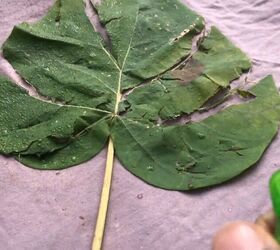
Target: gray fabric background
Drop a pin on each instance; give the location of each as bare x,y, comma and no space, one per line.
57,210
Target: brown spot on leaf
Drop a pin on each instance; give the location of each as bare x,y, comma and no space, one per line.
189,72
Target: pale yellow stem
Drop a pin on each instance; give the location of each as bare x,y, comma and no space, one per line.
105,195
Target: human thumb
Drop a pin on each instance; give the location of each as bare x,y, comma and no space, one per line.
244,236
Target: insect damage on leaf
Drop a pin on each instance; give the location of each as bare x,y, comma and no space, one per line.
120,91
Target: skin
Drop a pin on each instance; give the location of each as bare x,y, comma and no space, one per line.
247,236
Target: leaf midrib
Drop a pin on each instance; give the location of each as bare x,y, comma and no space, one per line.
119,94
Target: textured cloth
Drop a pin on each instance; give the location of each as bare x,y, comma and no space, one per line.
56,210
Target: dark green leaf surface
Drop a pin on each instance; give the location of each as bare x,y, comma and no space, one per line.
90,90
48,136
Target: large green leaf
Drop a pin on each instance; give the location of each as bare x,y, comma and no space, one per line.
90,90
